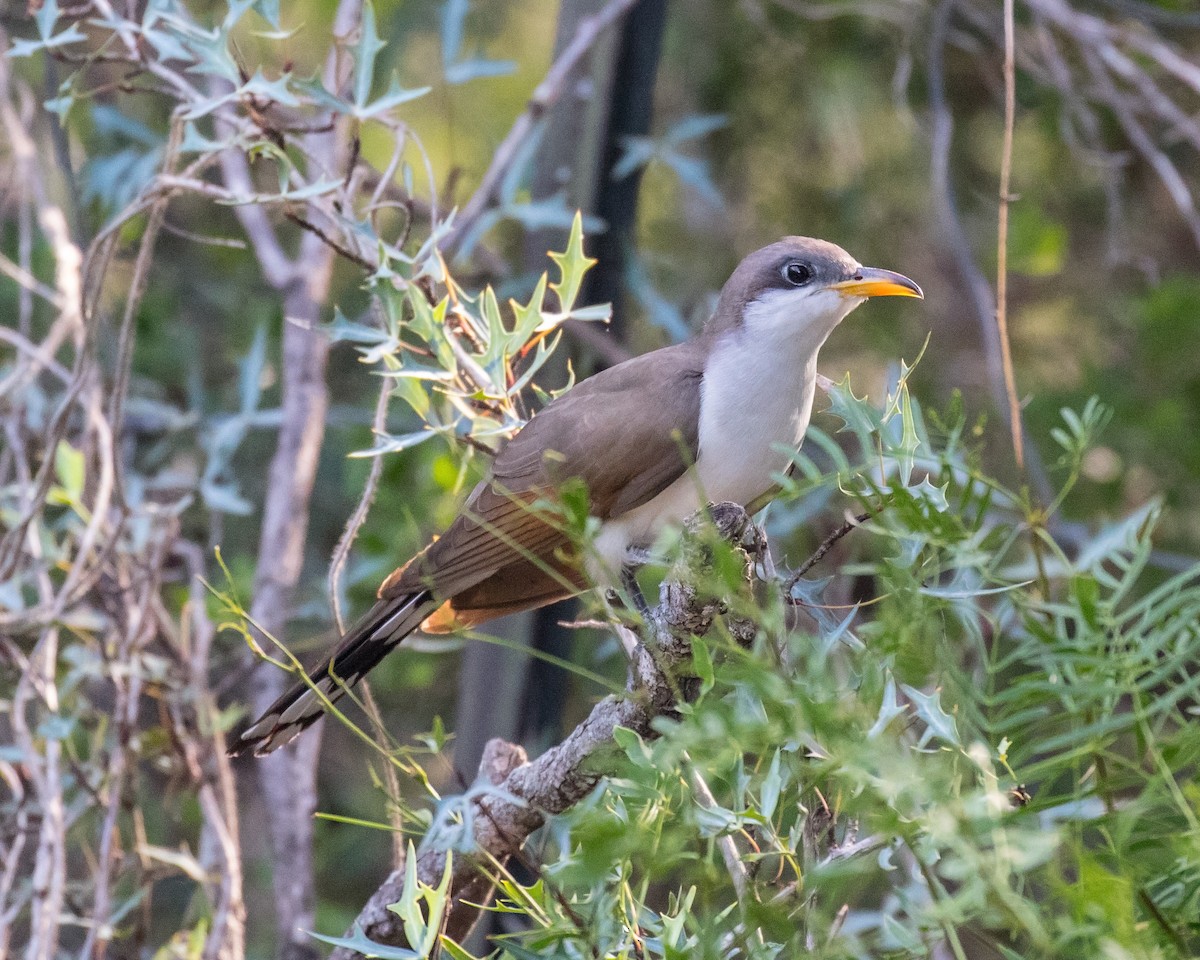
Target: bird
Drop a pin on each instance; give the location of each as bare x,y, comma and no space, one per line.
652,439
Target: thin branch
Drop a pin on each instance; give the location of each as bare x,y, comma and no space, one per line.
825,546
337,565
954,239
727,845
1010,108
529,792
326,239
287,778
137,287
544,97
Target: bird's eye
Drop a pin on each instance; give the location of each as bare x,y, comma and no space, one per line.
797,273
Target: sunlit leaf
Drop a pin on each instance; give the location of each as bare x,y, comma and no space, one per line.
572,264
69,469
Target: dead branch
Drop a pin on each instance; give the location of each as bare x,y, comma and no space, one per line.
287,779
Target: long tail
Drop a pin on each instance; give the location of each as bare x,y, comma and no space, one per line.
366,643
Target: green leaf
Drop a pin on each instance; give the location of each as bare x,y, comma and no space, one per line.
772,785
527,318
45,18
910,442
633,745
268,10
360,943
314,89
365,51
476,67
277,91
702,663
454,951
395,96
69,468
929,708
889,709
858,414
572,265
394,444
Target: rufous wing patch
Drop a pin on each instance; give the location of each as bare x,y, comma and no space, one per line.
395,577
443,620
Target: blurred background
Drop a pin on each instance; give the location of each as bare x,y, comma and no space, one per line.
695,132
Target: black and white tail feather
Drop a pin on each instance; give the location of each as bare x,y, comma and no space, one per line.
372,638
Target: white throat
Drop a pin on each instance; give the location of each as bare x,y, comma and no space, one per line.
758,391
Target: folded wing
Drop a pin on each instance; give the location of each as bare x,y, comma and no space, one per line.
627,433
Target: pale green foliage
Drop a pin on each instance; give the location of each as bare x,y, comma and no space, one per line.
865,761
421,909
872,767
472,367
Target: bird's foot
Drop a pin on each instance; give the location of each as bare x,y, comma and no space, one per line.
633,591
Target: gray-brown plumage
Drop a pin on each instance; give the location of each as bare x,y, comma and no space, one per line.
632,435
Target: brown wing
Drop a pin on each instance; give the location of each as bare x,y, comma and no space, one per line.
628,433
523,585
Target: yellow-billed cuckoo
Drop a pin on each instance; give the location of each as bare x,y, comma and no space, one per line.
652,439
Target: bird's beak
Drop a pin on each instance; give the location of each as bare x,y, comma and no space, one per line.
873,282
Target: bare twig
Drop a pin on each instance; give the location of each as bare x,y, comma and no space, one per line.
137,286
825,546
1010,107
330,242
954,239
730,853
337,565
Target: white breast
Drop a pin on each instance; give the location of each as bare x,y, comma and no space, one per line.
754,402
756,398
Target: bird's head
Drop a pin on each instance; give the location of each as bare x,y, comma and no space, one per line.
802,288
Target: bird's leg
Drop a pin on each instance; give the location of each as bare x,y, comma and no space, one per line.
634,591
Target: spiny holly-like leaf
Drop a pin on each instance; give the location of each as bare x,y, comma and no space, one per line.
365,51
45,18
857,413
929,708
277,91
477,67
459,69
395,96
692,128
26,48
454,15
889,709
528,317
572,265
360,943
313,88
